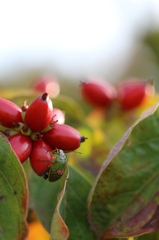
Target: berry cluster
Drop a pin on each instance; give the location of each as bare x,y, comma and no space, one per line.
38,132
127,95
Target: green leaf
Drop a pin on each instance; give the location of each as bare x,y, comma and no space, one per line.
150,236
124,200
13,194
44,198
74,209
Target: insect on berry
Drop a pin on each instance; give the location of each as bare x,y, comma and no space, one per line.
58,168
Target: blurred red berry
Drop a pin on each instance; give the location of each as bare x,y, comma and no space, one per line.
132,93
39,113
9,113
47,84
97,93
22,146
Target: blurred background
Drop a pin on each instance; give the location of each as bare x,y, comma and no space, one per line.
75,39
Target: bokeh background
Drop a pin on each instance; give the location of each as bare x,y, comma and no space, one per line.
72,40
75,39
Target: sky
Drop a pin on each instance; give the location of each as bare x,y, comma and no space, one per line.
76,38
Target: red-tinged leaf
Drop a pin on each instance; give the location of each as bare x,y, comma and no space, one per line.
59,230
13,195
124,200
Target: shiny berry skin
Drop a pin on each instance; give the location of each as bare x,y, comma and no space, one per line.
39,113
132,93
9,113
22,146
41,157
64,137
97,93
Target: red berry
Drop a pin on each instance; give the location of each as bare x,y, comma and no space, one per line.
64,137
9,113
97,93
132,93
39,113
58,116
22,146
47,84
41,157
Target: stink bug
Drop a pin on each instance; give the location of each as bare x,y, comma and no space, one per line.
58,168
